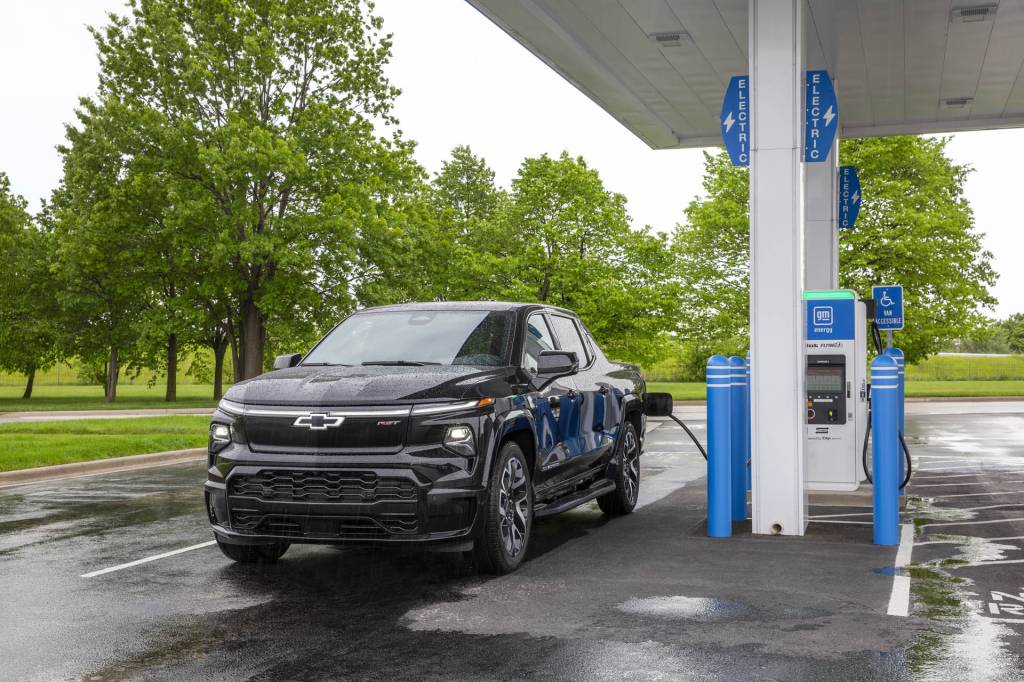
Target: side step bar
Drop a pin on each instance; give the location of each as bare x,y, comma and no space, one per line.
575,500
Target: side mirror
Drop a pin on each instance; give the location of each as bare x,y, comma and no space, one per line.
658,404
286,361
553,364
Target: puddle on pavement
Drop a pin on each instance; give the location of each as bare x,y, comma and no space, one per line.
959,642
699,609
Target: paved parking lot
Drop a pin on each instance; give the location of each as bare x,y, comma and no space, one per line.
643,597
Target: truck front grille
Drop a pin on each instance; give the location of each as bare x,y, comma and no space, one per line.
322,486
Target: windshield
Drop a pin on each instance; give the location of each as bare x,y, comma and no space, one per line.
427,337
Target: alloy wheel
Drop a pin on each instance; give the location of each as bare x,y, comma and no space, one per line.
513,505
630,466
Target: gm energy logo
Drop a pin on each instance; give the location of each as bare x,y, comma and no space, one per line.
823,316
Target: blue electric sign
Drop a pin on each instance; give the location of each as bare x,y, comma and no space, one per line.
736,120
888,307
830,319
849,196
821,119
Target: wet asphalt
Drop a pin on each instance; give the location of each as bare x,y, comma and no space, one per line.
645,597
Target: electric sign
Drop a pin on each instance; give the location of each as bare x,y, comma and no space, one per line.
736,120
849,196
888,307
821,119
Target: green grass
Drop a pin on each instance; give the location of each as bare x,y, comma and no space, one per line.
129,396
35,444
967,368
965,389
680,390
915,389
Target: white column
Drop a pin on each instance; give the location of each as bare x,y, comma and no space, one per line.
821,235
776,266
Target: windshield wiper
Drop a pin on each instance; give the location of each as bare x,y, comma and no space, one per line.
324,364
399,363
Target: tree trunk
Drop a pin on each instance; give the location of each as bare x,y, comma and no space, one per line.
28,384
253,336
236,361
113,370
172,369
220,346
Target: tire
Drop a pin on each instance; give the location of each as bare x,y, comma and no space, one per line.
506,534
623,499
253,554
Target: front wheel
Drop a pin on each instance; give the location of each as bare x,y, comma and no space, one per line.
506,534
253,554
623,499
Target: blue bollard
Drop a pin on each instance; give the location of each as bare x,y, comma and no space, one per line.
719,447
738,422
885,449
897,355
746,420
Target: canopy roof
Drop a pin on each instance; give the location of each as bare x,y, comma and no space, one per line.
901,66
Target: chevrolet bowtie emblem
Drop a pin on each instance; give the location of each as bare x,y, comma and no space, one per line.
318,421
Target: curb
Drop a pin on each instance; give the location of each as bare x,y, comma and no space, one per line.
99,466
62,415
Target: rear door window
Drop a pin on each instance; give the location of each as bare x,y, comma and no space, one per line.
569,338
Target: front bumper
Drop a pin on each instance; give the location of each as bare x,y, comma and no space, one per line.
264,502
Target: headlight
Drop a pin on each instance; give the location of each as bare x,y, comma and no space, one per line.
459,439
220,436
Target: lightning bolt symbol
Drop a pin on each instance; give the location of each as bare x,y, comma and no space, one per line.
829,116
728,122
856,197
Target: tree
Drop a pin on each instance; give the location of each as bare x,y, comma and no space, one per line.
567,242
915,228
713,262
1014,330
97,262
265,115
28,325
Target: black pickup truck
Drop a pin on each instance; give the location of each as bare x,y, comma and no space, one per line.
453,425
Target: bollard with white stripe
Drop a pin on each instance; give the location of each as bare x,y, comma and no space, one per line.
885,449
738,422
719,381
746,420
897,355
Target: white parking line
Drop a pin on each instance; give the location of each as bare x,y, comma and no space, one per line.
992,563
138,562
1008,492
959,541
899,598
973,523
946,485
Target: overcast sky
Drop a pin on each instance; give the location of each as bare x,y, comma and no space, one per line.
464,82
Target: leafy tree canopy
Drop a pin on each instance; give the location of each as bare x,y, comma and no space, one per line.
915,228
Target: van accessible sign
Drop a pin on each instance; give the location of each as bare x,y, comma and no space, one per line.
736,120
849,196
821,116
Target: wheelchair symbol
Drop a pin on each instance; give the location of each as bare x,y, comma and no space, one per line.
885,301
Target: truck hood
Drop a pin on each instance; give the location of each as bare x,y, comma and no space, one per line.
371,385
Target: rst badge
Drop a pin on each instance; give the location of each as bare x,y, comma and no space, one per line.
318,421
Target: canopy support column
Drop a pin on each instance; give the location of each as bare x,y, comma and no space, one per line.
777,266
821,237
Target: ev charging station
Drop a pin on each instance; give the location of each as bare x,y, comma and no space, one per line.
837,389
662,67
